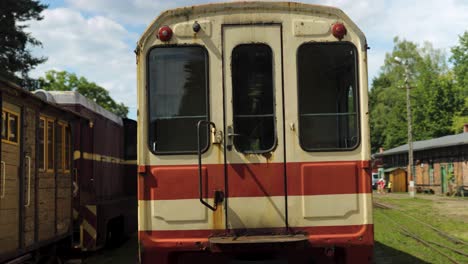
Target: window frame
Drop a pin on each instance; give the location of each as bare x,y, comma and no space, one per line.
60,142
67,159
275,132
43,118
357,99
147,90
46,144
62,125
9,112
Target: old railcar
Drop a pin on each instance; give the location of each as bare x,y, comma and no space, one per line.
36,174
104,158
253,135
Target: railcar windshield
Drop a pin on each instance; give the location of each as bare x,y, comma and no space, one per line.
327,83
178,98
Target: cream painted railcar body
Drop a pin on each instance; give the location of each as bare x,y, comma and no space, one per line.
253,135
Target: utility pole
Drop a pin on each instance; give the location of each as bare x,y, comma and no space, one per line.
410,127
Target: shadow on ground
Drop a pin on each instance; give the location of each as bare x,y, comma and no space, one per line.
127,253
384,254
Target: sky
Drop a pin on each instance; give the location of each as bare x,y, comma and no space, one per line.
96,38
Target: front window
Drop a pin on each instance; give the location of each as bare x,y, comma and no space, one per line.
178,98
252,98
327,89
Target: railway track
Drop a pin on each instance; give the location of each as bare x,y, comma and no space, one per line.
445,249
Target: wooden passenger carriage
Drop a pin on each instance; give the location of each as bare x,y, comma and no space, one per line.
104,162
35,178
68,172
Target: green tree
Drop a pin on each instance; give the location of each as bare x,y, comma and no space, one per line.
459,59
65,81
15,58
434,97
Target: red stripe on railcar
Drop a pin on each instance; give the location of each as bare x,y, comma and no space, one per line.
255,180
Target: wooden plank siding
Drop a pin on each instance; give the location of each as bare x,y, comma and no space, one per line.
29,133
9,204
35,209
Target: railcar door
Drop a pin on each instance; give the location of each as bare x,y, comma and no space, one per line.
9,179
254,127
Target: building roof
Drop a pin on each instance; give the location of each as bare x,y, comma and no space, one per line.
447,141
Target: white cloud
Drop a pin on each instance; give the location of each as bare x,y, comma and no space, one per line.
94,47
134,12
93,37
422,20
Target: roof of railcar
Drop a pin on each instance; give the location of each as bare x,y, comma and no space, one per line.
15,90
191,12
75,98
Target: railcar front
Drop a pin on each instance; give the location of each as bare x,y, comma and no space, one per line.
253,135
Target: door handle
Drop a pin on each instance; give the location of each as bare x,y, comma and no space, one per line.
28,159
230,137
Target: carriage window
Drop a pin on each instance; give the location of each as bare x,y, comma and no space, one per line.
327,90
253,101
4,125
178,98
10,127
50,145
60,146
41,154
67,151
13,123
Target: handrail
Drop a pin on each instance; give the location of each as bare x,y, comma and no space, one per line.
200,188
2,174
29,181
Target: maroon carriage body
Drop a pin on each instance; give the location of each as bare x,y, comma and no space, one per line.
104,159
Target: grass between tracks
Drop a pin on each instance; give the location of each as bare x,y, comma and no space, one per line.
394,247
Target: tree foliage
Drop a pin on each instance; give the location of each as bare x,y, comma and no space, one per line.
460,69
435,98
65,81
15,58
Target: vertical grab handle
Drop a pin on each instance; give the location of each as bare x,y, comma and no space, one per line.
2,175
200,187
28,159
75,182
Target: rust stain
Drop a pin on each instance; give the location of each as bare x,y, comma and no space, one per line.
268,156
219,152
218,217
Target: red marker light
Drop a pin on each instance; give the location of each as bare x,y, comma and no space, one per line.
165,33
338,30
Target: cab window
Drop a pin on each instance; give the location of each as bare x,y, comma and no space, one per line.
178,98
327,96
